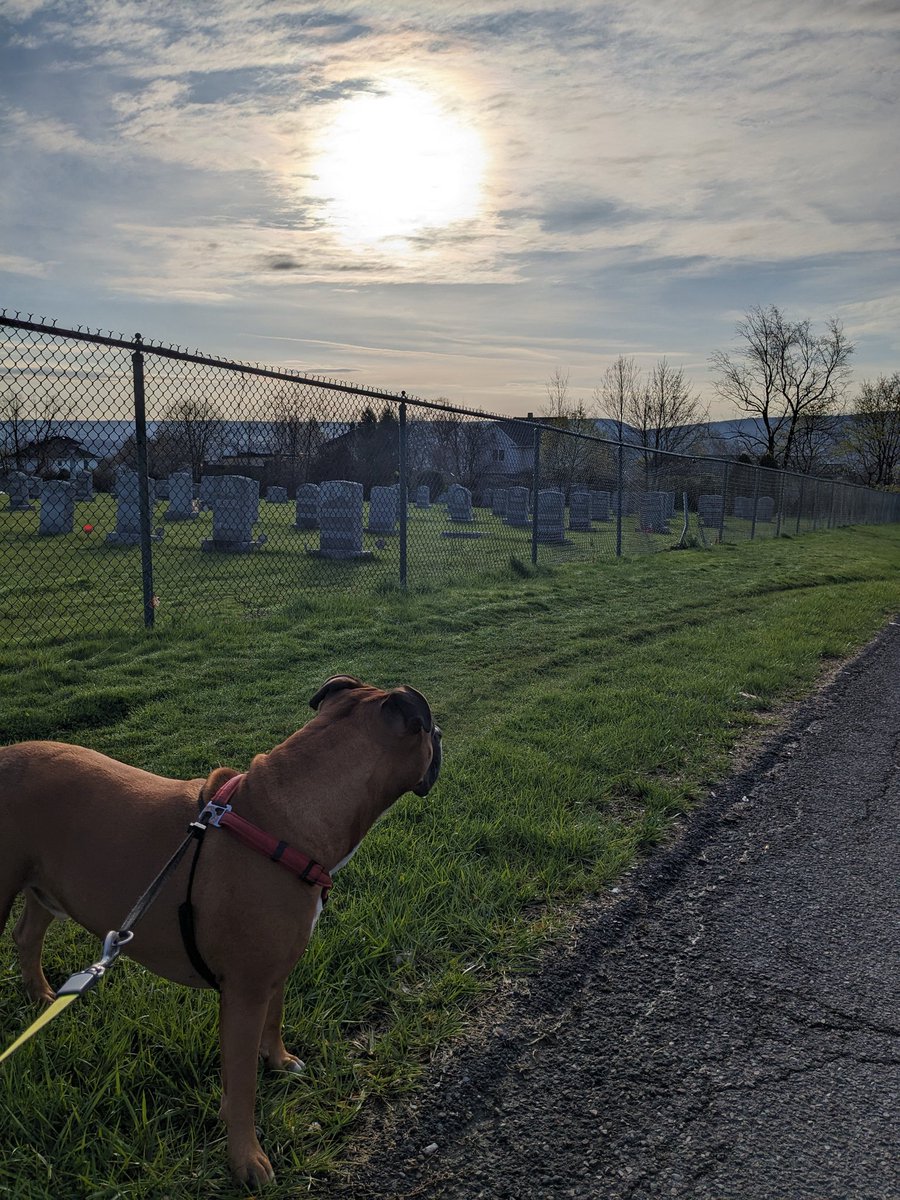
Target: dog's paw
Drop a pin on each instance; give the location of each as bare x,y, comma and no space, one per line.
254,1169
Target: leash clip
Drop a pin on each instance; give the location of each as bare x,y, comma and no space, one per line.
212,813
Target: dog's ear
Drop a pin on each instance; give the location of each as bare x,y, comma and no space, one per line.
336,683
215,780
409,706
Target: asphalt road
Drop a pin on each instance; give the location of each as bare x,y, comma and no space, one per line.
727,1030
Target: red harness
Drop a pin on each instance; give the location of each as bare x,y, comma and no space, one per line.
295,861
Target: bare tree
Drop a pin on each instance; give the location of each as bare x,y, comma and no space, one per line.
461,448
28,428
783,372
616,397
873,436
666,412
296,435
569,457
188,433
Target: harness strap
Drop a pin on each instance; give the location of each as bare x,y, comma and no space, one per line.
186,924
217,812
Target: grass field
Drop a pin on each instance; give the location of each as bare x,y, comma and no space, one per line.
584,709
53,586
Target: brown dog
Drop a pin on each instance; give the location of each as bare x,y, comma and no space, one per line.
81,835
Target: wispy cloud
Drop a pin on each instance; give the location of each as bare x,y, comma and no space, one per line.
650,165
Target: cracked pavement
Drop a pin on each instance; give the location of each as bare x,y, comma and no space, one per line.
729,1028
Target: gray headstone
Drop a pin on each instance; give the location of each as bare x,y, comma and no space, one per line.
551,515
669,505
743,507
500,502
84,485
765,508
20,492
181,498
208,485
459,504
580,512
652,512
382,510
306,506
57,507
517,516
277,495
710,509
235,505
341,520
423,497
600,506
128,509
161,489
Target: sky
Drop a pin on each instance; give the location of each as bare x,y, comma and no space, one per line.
454,199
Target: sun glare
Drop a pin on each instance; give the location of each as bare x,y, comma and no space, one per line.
393,164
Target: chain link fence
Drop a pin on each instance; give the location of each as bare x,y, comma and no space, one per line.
145,482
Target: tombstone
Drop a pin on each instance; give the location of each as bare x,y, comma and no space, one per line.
340,513
743,507
551,515
599,506
517,508
181,498
128,509
19,492
208,486
235,511
652,512
423,497
459,504
277,495
306,507
382,510
580,512
669,504
765,508
442,498
57,507
161,489
488,498
84,485
711,510
500,500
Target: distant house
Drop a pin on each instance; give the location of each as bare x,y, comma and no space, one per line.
55,454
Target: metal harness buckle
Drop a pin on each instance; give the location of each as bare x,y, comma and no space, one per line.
213,813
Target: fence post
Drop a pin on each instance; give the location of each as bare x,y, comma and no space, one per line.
620,479
756,471
800,502
780,503
140,440
724,502
831,510
536,487
404,497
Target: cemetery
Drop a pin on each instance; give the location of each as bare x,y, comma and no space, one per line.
220,544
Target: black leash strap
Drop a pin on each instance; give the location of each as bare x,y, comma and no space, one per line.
186,924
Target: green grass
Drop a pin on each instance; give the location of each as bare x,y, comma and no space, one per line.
585,707
52,587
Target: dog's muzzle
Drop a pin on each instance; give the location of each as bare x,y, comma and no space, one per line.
424,786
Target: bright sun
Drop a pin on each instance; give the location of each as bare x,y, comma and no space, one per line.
394,163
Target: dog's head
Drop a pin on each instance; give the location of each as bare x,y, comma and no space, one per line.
401,717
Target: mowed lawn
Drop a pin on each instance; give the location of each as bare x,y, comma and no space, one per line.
584,709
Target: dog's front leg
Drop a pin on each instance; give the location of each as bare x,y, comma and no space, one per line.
242,1015
271,1047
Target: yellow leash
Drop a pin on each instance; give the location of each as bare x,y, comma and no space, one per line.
52,1010
76,985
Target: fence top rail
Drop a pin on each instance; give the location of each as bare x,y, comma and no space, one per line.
138,345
